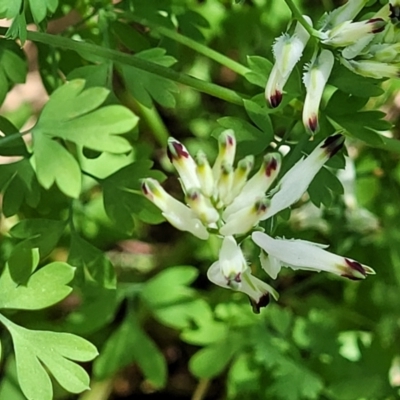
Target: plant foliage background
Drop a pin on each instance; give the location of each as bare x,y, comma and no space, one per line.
89,263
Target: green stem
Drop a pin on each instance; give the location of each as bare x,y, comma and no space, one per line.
299,16
196,46
142,64
12,137
150,116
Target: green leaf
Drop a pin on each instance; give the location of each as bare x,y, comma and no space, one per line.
39,8
94,75
176,279
303,382
45,287
13,65
54,164
323,186
23,260
41,233
19,185
260,117
351,83
145,86
130,37
55,350
130,344
122,199
98,308
260,70
17,30
212,360
71,115
94,266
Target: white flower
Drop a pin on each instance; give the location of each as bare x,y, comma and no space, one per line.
348,32
347,12
175,212
287,52
221,199
184,164
296,181
301,254
232,272
315,80
372,69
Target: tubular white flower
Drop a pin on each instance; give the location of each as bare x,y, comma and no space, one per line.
344,13
183,163
296,181
175,212
240,175
202,206
226,152
257,185
372,69
287,52
315,80
243,220
231,272
348,33
301,254
386,53
224,186
205,175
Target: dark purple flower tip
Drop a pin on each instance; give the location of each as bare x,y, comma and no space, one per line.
271,166
145,189
275,99
379,24
333,144
313,124
263,301
356,271
176,150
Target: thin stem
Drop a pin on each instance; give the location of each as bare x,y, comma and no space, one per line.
201,389
139,63
299,16
150,116
200,48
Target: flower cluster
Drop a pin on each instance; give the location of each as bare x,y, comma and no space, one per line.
223,200
369,48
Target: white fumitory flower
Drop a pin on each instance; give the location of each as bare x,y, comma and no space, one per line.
232,272
301,254
297,180
287,52
348,33
346,12
222,199
372,68
315,79
175,212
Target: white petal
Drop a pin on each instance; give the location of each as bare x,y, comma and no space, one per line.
245,219
315,80
183,163
287,52
270,264
257,185
257,290
346,12
226,153
299,254
296,181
